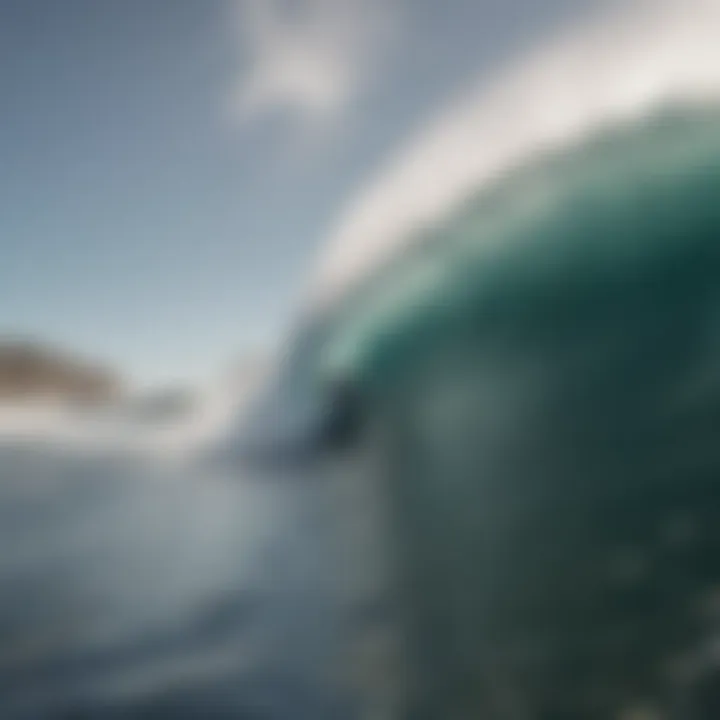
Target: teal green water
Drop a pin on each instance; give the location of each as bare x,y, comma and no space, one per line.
541,372
645,193
546,364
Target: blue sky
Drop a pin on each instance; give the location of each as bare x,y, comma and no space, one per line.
170,169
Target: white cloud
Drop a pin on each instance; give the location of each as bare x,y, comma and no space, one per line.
310,58
609,71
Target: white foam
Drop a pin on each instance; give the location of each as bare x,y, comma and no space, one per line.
615,70
115,429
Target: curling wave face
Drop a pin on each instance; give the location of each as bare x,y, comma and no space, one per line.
544,364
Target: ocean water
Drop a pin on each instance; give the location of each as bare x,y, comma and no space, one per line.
545,363
134,589
542,372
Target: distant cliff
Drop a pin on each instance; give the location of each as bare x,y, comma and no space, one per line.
30,371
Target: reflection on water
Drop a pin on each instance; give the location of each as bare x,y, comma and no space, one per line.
131,589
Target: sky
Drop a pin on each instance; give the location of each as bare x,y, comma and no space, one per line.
170,170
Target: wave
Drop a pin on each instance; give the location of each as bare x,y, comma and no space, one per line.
628,198
618,69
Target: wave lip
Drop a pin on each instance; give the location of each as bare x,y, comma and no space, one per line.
618,69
